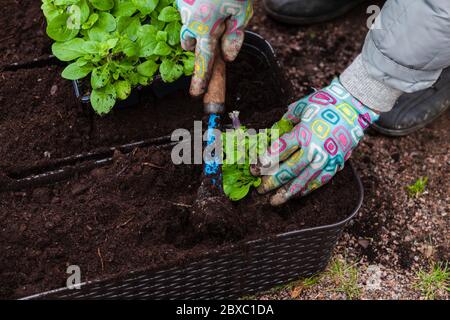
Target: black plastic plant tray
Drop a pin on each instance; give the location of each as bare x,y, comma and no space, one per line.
254,44
235,272
43,61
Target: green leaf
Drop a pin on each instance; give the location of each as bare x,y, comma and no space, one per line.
129,26
102,4
161,36
162,49
104,99
124,8
106,22
147,44
162,4
145,6
91,47
69,50
237,179
123,89
61,29
158,24
93,18
148,68
50,10
188,64
65,2
85,10
100,77
284,126
128,47
75,72
143,80
169,14
170,71
98,35
173,30
236,193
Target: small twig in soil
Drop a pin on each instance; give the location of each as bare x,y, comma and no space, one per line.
7,37
178,204
122,171
148,164
125,223
101,258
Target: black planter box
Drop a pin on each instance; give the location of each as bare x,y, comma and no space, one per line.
233,273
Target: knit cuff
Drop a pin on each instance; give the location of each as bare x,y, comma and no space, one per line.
370,92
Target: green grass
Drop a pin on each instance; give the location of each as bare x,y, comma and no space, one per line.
433,282
291,287
311,281
345,277
340,276
418,187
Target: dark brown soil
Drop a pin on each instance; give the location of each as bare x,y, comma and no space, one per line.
22,32
132,215
40,118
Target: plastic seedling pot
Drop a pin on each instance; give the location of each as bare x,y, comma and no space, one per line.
237,270
253,44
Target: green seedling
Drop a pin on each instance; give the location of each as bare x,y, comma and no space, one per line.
418,187
120,44
240,150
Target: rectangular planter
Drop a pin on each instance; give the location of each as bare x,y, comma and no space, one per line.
233,272
229,274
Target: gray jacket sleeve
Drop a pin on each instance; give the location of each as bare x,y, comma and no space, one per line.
406,51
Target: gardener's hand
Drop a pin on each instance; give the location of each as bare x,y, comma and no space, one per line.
205,22
326,127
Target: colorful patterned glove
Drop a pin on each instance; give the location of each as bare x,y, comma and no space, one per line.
204,23
328,125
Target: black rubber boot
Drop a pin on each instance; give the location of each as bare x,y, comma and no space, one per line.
308,11
414,111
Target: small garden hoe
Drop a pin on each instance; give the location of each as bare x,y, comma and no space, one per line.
211,206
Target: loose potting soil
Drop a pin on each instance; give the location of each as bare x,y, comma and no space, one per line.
40,119
136,214
22,32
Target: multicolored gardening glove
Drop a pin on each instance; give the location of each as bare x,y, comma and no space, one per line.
326,127
205,22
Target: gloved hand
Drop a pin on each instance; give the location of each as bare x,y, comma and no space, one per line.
328,125
205,22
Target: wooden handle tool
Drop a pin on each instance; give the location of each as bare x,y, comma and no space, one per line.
214,99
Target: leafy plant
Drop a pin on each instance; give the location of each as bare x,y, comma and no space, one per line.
238,149
121,44
418,187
